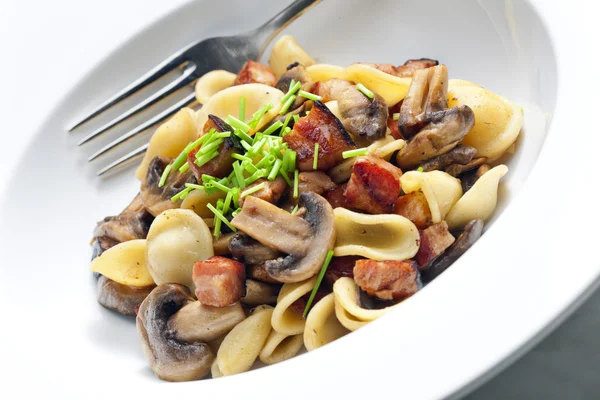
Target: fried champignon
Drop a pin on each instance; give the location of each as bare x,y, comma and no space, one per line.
458,169
121,298
271,192
414,206
258,293
434,241
459,155
408,69
363,117
221,244
388,279
433,129
469,179
467,238
331,89
158,199
249,251
259,273
320,127
374,185
297,73
306,240
219,281
315,181
221,165
170,358
254,72
101,244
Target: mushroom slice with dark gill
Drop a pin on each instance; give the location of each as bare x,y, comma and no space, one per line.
158,199
363,117
249,251
258,293
306,240
121,298
459,155
469,178
431,128
170,358
408,69
297,73
320,127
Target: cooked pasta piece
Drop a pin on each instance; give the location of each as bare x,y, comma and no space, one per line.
378,237
197,201
391,88
322,326
213,82
280,347
441,190
125,263
324,72
334,108
286,320
479,202
242,345
177,238
285,52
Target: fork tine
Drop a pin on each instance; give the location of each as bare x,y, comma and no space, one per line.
160,70
142,127
124,160
180,82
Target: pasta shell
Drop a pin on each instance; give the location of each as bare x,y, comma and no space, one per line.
287,51
213,82
390,87
242,345
176,240
280,347
324,72
334,108
498,121
197,201
378,237
347,308
441,190
479,202
170,139
125,263
285,320
322,326
227,102
215,372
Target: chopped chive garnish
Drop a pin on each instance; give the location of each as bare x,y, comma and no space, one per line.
396,116
287,105
275,170
165,175
221,187
316,156
294,87
207,178
184,167
227,202
296,184
222,135
296,117
249,167
194,144
285,123
261,173
256,148
286,131
220,216
306,113
420,169
206,158
242,135
241,157
318,283
285,176
295,210
310,96
194,186
293,160
273,127
246,145
253,189
236,212
236,123
355,153
181,194
209,147
365,91
239,174
242,108
180,160
217,228
257,116
236,197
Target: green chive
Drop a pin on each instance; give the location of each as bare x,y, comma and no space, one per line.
207,178
316,156
181,194
194,144
236,196
318,283
420,169
241,157
180,160
236,123
310,96
396,116
221,187
257,116
184,167
222,135
355,153
275,170
220,216
194,186
261,173
285,123
227,203
253,189
293,160
287,105
294,87
296,184
236,212
206,158
365,91
217,228
246,145
286,131
296,117
242,108
285,176
207,148
295,210
239,174
249,167
242,135
164,176
256,148
273,127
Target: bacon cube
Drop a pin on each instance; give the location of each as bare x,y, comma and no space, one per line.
219,281
388,279
253,72
434,241
414,206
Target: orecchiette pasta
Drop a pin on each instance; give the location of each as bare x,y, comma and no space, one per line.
177,239
390,87
378,237
198,200
324,72
213,82
125,263
280,347
285,320
347,307
287,51
170,139
322,326
334,108
242,345
479,202
441,190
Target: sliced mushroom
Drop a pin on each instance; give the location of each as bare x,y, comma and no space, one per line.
258,293
314,181
101,244
249,251
259,272
363,117
305,240
158,199
170,358
121,298
198,322
459,155
466,239
469,179
457,169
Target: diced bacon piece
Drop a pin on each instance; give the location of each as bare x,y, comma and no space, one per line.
408,69
253,72
322,127
388,280
335,197
340,267
300,304
414,206
219,281
315,181
374,185
331,89
393,125
434,241
272,191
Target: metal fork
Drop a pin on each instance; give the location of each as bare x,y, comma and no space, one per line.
228,53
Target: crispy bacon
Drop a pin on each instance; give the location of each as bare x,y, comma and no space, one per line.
331,89
272,191
253,72
414,206
322,127
408,69
388,280
434,241
219,281
393,125
315,181
374,185
335,197
340,267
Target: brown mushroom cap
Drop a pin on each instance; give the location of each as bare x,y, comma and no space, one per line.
121,298
363,117
258,293
170,358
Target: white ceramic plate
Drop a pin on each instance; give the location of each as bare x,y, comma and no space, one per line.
534,261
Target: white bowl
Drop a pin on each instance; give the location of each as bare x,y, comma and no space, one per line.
533,262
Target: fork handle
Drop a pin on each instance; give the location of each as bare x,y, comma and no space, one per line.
264,34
